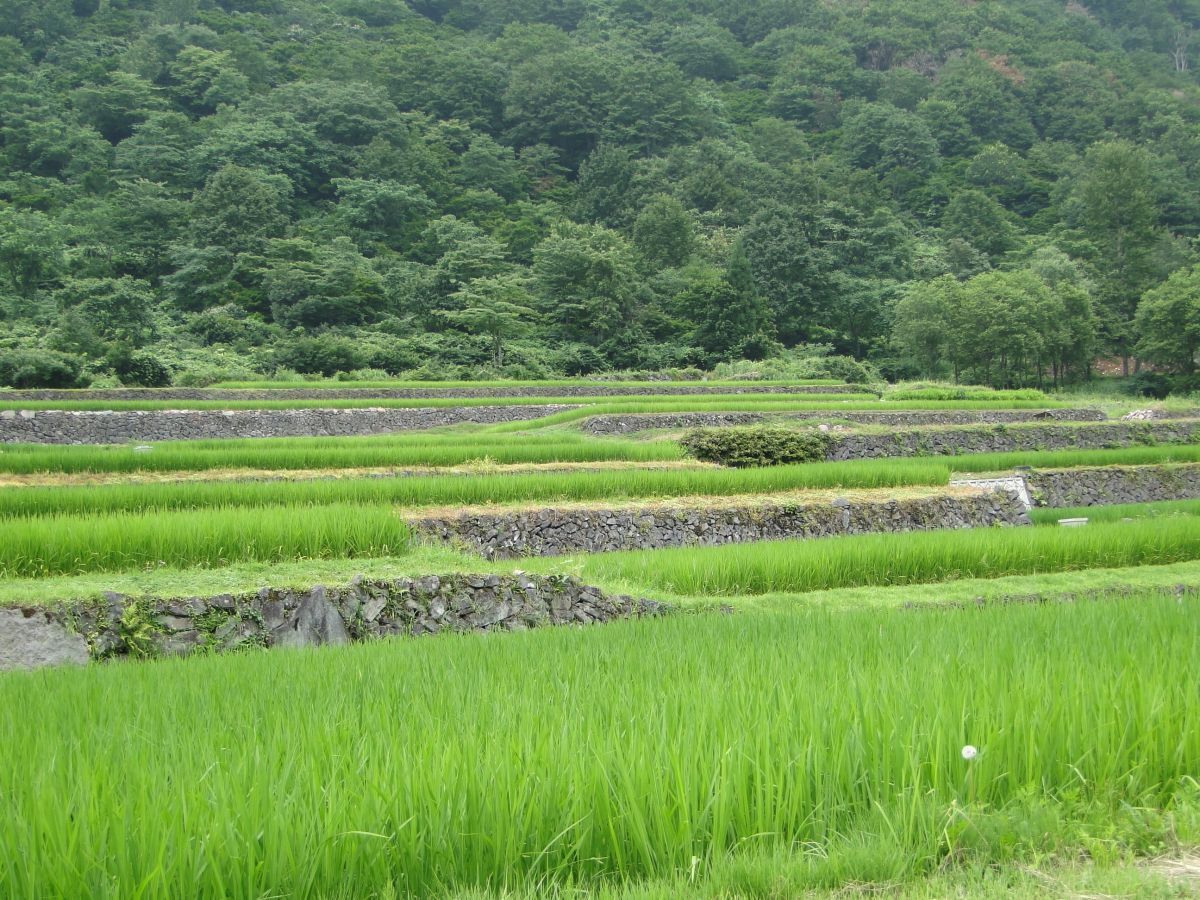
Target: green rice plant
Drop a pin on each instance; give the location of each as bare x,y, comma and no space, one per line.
961,392
889,559
458,448
464,490
572,759
829,404
1118,512
633,403
1071,459
380,451
64,545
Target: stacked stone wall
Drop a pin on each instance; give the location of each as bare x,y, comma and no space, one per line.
1002,439
627,424
125,426
549,532
118,625
1112,485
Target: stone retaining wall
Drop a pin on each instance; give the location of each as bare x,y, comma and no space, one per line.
1114,485
548,532
75,632
1002,439
1149,415
120,427
626,424
615,389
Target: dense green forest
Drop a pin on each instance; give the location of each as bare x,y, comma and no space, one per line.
994,190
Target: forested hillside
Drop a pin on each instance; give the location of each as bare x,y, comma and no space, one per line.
198,189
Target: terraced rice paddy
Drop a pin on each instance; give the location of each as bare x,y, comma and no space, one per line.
65,544
1120,512
893,559
637,751
773,404
636,404
811,741
467,490
419,449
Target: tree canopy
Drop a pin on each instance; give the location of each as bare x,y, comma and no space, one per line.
995,191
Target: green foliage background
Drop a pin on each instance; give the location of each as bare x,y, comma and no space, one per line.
537,187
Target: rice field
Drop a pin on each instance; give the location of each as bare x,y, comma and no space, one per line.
830,742
809,744
465,490
634,403
63,544
487,446
1161,454
1119,512
951,392
454,448
773,404
896,559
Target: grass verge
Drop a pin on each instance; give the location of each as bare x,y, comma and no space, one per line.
241,577
968,591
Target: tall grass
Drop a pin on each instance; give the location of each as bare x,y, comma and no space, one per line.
389,450
890,559
466,490
566,758
65,545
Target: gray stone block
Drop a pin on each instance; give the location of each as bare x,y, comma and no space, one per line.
31,639
316,621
